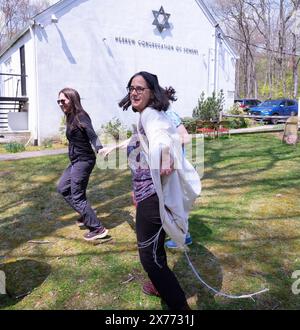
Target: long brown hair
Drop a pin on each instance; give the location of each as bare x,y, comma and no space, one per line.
76,108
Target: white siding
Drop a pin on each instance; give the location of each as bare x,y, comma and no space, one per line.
13,56
81,51
226,73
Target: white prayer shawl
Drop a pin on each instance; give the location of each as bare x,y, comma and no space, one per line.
177,191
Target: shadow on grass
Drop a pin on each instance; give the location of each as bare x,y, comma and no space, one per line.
42,210
209,269
205,263
34,210
22,277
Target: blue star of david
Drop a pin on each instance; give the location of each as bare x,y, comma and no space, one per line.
161,19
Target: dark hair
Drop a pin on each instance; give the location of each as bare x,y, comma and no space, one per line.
161,97
73,117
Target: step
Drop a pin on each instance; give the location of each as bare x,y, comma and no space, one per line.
20,136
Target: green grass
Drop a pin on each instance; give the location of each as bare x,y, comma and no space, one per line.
46,146
245,229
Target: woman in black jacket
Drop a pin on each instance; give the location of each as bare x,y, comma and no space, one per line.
74,180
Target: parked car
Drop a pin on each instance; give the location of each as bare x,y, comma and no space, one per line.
247,104
281,107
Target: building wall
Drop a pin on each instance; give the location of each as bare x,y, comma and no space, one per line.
96,46
10,64
12,56
225,73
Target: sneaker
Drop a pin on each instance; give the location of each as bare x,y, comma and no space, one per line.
80,223
172,245
95,234
149,288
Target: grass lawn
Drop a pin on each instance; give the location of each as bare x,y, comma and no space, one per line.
245,229
34,148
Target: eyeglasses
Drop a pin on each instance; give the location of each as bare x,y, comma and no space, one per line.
63,102
138,89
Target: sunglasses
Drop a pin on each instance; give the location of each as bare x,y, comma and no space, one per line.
63,102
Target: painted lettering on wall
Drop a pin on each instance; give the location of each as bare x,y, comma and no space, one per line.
156,45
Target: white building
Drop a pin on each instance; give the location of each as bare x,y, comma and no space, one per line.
96,46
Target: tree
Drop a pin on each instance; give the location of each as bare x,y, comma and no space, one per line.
295,33
263,35
15,14
236,15
209,108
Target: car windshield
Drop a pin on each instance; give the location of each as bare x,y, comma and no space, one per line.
270,103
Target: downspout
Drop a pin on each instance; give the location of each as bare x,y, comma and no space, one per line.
36,137
216,57
208,72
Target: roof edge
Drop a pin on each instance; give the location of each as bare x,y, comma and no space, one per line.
58,4
11,43
14,40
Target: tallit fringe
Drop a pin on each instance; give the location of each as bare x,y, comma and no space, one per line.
153,240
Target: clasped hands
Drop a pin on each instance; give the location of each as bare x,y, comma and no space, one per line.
167,161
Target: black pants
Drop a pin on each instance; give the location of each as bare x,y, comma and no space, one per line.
148,223
72,186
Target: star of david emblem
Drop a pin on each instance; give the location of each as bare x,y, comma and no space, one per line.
161,19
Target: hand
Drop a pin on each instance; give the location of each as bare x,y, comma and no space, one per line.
167,162
166,171
105,151
167,168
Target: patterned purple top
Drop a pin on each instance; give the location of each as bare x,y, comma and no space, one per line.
142,183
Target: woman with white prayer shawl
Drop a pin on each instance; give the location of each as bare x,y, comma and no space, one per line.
165,184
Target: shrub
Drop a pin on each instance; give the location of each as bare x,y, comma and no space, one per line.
190,124
238,122
14,147
62,131
209,108
47,143
115,129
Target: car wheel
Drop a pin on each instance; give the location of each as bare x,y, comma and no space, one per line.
274,121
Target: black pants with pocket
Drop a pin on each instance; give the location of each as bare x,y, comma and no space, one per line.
148,223
72,186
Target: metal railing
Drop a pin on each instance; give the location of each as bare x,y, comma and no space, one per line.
12,85
10,104
12,96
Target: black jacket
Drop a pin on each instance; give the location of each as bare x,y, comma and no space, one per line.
81,138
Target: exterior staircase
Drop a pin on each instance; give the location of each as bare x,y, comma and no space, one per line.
12,104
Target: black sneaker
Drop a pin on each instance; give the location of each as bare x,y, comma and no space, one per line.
95,234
